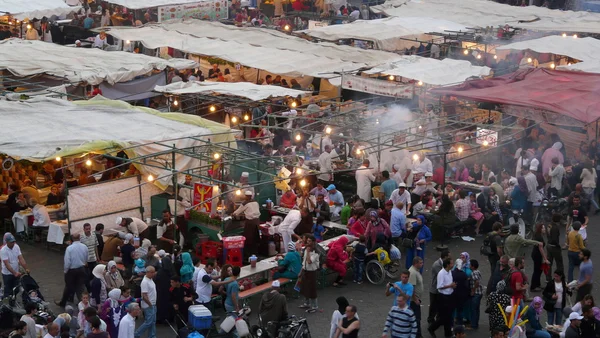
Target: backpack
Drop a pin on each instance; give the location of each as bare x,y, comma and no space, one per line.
486,246
508,288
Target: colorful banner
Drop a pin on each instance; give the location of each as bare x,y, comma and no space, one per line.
203,192
486,137
205,10
376,86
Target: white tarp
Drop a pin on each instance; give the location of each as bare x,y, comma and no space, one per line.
587,66
22,9
243,89
91,65
431,71
386,33
484,13
139,4
584,49
259,48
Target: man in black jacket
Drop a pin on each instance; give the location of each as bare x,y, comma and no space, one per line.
590,326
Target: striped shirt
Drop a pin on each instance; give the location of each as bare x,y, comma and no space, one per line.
91,242
401,323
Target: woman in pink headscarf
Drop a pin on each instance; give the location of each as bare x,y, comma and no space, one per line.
337,258
549,154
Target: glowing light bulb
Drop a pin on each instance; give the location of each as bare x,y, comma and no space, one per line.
460,149
88,163
294,104
302,183
217,156
478,56
485,143
57,158
377,121
415,157
175,102
246,117
529,60
568,64
574,36
127,42
495,57
234,119
420,83
298,137
358,151
392,77
552,66
564,35
466,52
238,192
212,109
150,178
286,27
420,127
328,130
28,26
299,171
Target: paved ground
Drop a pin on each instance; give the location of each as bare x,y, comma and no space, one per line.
372,304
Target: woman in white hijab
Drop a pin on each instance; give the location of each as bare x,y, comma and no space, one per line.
549,154
113,277
112,312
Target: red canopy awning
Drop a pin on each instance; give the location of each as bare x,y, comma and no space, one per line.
572,94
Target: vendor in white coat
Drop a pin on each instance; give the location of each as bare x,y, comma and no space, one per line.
186,192
421,165
364,177
325,166
290,223
132,225
405,167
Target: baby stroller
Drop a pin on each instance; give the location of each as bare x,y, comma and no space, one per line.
30,292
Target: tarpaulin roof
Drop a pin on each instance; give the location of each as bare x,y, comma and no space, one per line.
572,94
139,4
91,65
484,13
385,33
22,9
57,127
259,48
431,71
243,89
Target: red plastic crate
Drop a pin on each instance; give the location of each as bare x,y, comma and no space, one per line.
211,250
234,257
234,242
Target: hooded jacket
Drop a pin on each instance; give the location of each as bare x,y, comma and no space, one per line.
273,307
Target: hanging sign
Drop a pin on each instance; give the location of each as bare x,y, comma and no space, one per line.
486,137
376,86
204,10
203,192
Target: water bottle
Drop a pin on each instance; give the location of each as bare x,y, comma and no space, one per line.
253,259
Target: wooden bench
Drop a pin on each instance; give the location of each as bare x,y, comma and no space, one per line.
260,289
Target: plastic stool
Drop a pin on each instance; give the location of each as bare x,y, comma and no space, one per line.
234,257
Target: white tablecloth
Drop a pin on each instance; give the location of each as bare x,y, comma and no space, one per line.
56,232
20,219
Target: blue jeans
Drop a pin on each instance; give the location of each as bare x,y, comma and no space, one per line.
573,261
475,302
359,267
10,281
555,317
540,334
148,324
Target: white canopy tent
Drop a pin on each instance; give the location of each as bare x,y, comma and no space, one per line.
21,9
388,34
140,4
584,49
431,71
264,49
243,89
93,66
484,13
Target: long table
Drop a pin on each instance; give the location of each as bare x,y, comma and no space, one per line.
467,185
20,219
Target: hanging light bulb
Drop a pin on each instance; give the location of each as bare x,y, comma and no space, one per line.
495,57
303,183
552,66
358,151
150,178
28,26
286,27
88,163
246,117
127,41
485,143
212,109
294,104
420,83
392,77
529,60
420,127
466,52
234,119
460,150
328,130
175,102
478,56
568,64
564,35
216,156
299,171
377,121
57,158
574,36
415,157
298,137
238,192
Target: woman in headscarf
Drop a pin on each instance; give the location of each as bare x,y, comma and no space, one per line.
422,234
98,293
533,315
337,258
163,285
549,154
113,277
376,226
290,265
494,298
112,312
338,314
187,270
462,292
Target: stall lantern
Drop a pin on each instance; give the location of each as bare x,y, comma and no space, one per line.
233,250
